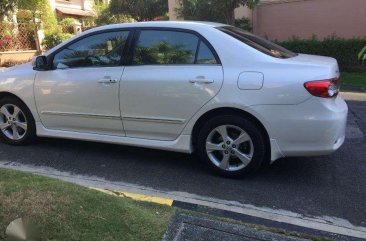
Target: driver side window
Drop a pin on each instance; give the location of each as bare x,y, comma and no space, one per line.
99,50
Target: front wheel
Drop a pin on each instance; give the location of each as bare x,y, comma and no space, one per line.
17,125
231,145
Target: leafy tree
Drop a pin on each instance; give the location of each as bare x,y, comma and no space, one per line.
40,9
6,7
106,17
141,10
213,10
202,10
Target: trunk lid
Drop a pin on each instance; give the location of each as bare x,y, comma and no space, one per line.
315,60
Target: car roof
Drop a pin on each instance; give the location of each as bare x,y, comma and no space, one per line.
169,24
190,25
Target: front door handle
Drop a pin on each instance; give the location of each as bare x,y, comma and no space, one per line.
201,80
107,80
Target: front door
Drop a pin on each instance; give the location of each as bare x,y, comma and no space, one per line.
81,92
172,75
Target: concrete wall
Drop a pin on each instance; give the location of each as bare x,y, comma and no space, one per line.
17,56
302,18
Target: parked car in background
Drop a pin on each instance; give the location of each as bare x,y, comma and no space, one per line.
234,98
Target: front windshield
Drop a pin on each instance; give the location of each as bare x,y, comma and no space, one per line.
258,43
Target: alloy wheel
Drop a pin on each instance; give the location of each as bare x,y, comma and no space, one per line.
229,147
13,123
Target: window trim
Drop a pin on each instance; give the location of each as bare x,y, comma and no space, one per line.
50,58
128,51
136,37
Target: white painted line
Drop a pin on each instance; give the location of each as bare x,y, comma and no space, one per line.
328,224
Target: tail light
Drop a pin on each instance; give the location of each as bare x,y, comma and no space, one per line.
324,88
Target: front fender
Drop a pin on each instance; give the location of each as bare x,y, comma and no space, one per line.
19,81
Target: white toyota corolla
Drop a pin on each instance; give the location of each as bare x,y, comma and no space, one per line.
235,99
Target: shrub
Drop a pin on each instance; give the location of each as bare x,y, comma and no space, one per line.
243,23
24,16
53,39
362,55
344,50
67,22
67,25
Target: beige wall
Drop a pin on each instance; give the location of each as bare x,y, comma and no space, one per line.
303,18
243,12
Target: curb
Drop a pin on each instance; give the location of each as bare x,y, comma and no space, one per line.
137,197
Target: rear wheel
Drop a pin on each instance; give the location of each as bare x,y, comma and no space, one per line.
17,125
231,145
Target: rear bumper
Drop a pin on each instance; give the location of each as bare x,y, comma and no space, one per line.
314,127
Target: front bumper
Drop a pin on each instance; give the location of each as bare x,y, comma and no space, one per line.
314,127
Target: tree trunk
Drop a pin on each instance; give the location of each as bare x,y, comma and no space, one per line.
38,44
230,17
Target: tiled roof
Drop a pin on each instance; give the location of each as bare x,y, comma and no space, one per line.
75,12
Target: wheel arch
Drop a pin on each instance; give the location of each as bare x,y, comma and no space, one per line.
4,94
31,130
230,111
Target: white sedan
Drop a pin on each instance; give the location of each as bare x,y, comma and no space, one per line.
235,99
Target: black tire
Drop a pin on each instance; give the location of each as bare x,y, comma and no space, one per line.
30,133
251,128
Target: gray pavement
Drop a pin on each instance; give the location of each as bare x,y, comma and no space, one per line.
318,186
185,227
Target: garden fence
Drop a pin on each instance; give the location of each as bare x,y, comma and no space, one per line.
17,37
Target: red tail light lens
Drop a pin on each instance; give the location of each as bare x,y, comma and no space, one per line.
323,88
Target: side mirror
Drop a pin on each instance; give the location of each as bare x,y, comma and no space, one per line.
40,63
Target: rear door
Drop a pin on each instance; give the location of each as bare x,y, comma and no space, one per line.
173,73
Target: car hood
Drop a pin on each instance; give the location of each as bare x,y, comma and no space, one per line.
17,68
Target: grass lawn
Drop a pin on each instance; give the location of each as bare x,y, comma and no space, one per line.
69,212
354,79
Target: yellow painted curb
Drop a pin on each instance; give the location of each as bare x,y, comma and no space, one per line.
139,197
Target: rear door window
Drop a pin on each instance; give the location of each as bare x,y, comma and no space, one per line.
205,55
168,47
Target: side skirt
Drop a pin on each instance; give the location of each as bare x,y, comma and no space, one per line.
181,144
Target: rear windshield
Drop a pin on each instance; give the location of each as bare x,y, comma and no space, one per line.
258,43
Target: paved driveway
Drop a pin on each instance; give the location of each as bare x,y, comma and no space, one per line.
321,186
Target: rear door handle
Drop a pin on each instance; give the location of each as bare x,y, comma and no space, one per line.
107,80
201,80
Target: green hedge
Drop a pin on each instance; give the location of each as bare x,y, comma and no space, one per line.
344,50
